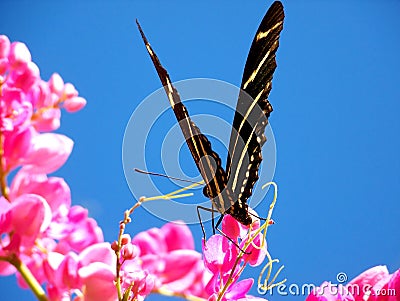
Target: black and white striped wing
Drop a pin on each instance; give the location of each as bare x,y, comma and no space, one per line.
253,108
207,161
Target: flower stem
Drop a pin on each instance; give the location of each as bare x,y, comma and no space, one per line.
28,277
3,175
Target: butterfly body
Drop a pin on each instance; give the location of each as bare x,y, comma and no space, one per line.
229,188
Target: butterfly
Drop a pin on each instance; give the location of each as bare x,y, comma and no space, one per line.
229,188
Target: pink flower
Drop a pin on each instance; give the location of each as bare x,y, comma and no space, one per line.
14,219
223,259
240,234
168,255
139,282
48,152
26,100
220,255
16,111
26,79
366,280
74,230
376,284
135,282
92,272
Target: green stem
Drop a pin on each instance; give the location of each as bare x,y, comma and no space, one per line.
3,174
28,277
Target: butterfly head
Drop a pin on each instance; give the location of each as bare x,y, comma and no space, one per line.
242,216
246,220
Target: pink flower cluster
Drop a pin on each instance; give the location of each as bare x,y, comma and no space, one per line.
164,260
59,244
49,242
375,284
38,226
221,259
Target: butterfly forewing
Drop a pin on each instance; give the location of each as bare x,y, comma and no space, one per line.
230,190
207,161
253,109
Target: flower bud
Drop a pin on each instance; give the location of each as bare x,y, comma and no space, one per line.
74,104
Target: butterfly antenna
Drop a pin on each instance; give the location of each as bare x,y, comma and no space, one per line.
162,175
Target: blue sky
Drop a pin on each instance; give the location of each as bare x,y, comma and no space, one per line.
336,101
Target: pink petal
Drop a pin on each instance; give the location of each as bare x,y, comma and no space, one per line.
54,190
5,215
257,255
3,67
25,80
179,263
56,84
212,285
239,289
178,236
394,286
153,263
6,269
84,231
100,252
32,208
78,231
39,95
49,152
98,282
17,147
367,280
51,264
192,283
48,120
371,276
231,227
219,254
4,46
70,91
67,273
19,56
150,242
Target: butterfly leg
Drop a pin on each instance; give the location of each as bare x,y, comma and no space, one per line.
231,240
212,210
271,221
